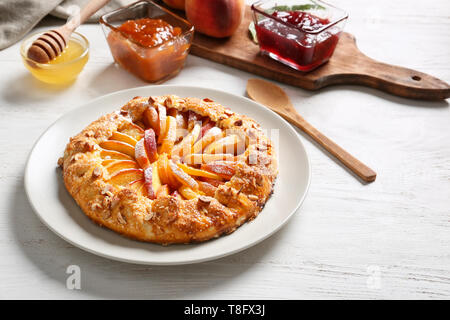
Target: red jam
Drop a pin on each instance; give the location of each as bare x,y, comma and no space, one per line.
295,45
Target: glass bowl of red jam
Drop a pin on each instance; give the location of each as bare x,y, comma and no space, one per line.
300,34
148,40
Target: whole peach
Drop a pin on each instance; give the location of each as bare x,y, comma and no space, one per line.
176,4
215,18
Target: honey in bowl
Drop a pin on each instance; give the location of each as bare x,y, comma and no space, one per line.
65,68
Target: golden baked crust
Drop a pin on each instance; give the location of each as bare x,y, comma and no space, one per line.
174,218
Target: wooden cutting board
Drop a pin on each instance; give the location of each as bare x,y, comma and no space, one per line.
348,65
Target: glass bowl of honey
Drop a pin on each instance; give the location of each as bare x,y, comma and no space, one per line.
299,33
65,68
147,40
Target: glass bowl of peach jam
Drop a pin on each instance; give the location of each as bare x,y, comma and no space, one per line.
65,68
147,40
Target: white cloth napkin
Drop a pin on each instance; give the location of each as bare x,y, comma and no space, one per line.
18,17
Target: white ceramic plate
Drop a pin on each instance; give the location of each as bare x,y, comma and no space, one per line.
56,208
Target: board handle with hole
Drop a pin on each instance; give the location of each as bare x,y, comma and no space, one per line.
400,81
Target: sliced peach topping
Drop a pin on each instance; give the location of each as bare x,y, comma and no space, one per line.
225,169
162,119
188,193
138,186
168,141
184,147
207,188
125,176
119,136
150,145
211,135
118,165
140,154
199,158
118,146
198,172
151,119
181,176
231,144
110,154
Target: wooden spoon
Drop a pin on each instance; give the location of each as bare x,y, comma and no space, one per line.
276,99
50,45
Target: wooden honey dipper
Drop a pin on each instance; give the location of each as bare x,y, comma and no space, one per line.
52,43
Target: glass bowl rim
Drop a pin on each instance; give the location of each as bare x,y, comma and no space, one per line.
315,32
181,35
23,51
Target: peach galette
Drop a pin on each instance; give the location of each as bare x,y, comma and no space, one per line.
170,170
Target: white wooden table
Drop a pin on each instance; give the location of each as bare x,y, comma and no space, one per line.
388,239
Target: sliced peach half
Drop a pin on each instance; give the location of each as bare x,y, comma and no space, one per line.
118,146
119,136
199,158
138,186
225,169
168,141
187,192
211,135
132,130
151,119
206,127
141,154
181,176
198,172
207,188
148,182
156,181
150,145
125,176
162,116
230,144
165,173
119,165
185,146
114,155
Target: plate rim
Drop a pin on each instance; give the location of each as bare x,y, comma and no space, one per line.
158,263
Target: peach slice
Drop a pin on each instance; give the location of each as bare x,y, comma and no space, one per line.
141,154
107,162
207,188
184,147
182,176
198,158
151,119
213,182
110,154
230,144
118,146
119,165
181,126
163,191
198,172
193,118
132,130
165,173
138,186
150,145
125,176
170,136
205,128
124,138
187,192
148,178
225,169
162,122
210,136
156,181
172,112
